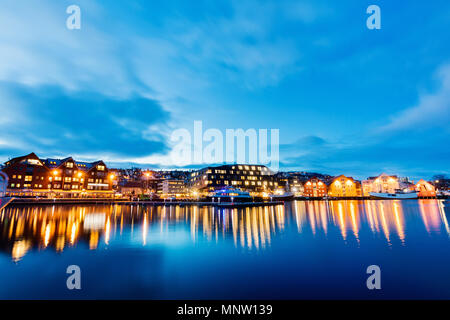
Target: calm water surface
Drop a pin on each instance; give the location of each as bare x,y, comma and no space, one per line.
309,249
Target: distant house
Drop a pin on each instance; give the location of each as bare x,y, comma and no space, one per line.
343,186
315,187
132,188
172,188
425,189
383,183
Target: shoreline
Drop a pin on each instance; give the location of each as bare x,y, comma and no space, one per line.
99,201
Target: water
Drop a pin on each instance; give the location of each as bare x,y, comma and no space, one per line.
309,249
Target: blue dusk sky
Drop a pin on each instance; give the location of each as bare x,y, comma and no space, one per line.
346,99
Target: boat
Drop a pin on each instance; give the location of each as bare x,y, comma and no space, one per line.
397,195
230,194
4,201
281,196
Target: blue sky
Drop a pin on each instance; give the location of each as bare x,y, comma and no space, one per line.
346,99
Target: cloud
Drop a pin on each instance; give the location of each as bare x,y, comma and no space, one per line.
432,110
53,122
410,154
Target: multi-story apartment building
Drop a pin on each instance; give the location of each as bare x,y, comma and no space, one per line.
383,183
315,188
31,176
252,178
343,186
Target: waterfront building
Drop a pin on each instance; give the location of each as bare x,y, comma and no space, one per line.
26,173
255,179
172,188
132,188
31,176
343,186
289,183
3,183
425,189
381,184
315,188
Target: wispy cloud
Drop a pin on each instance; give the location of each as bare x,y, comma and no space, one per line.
432,110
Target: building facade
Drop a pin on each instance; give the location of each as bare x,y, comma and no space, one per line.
315,188
383,183
172,188
343,186
31,176
425,189
289,183
253,178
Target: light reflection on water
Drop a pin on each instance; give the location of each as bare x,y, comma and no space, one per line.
304,250
23,229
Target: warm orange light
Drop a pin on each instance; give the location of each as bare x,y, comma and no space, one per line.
147,174
80,174
55,172
112,176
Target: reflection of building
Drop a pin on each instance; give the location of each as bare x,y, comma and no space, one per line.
315,188
172,188
31,176
252,178
343,186
383,183
425,189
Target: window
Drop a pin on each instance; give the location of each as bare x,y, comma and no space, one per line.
100,167
28,178
69,164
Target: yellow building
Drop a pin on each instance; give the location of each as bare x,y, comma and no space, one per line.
343,186
383,183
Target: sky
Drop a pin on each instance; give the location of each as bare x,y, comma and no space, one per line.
346,99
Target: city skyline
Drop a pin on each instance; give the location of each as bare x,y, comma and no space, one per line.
346,99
